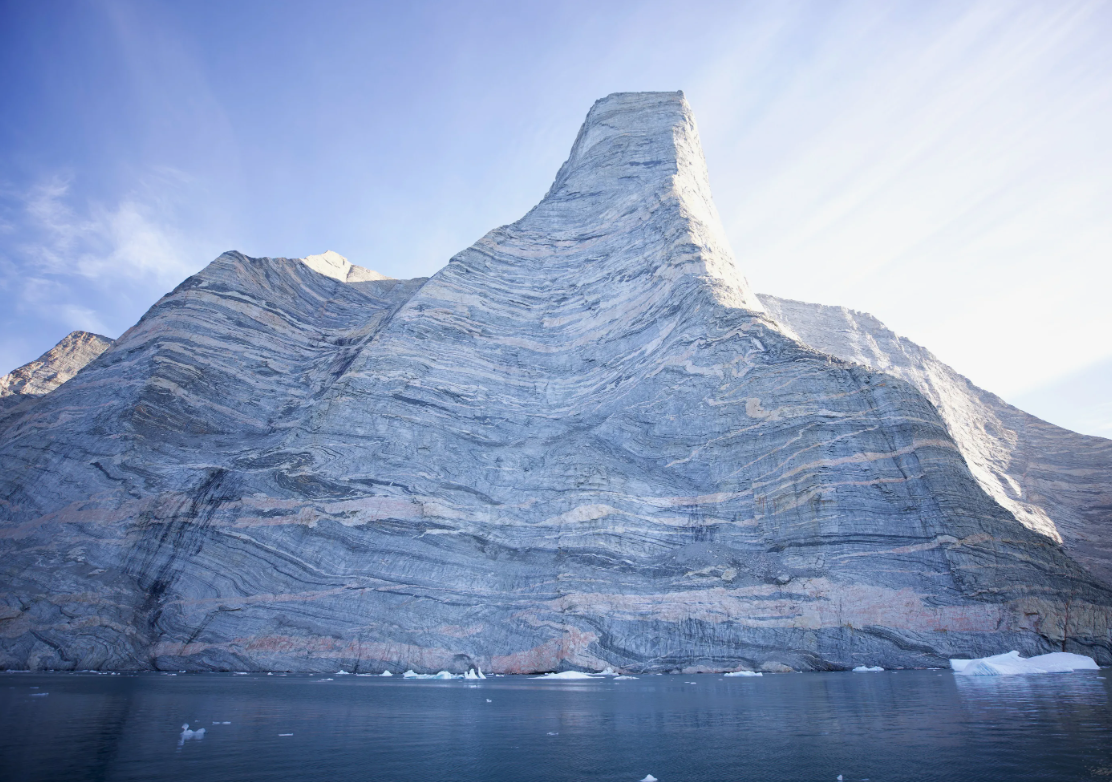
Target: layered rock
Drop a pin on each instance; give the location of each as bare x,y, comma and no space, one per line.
22,387
1054,481
581,443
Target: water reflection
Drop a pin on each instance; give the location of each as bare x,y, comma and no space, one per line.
898,725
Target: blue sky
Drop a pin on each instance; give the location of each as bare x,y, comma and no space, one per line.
944,166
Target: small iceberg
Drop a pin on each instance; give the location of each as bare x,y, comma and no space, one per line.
386,673
649,778
474,673
868,669
444,675
569,675
622,677
743,673
188,735
1011,664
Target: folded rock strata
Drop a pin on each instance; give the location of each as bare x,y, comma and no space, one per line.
582,443
1054,481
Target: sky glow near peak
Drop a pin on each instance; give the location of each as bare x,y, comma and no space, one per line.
943,166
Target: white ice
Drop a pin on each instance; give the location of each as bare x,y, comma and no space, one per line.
39,694
743,673
569,675
441,675
1011,663
386,673
649,778
187,734
868,669
623,676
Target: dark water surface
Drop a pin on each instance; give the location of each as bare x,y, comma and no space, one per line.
906,725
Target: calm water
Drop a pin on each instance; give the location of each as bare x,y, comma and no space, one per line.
907,725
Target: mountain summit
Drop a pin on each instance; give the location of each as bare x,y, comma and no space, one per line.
583,442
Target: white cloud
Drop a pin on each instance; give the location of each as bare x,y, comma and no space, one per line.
133,240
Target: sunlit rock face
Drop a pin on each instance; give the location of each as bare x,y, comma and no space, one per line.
581,443
21,387
1054,481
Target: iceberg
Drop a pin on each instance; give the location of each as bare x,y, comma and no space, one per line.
1011,663
442,675
868,669
622,677
569,675
386,673
743,673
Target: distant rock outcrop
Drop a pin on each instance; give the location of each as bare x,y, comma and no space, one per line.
582,443
48,371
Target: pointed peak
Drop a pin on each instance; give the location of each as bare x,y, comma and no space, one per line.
638,155
332,264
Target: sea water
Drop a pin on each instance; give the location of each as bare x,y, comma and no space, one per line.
895,725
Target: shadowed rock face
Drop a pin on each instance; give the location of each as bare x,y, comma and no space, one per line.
21,387
583,442
1054,481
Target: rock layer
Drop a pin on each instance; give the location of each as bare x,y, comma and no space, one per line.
1054,481
581,443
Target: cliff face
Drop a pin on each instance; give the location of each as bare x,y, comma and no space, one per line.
581,443
1054,481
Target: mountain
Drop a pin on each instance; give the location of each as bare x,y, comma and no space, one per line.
22,386
583,442
1054,481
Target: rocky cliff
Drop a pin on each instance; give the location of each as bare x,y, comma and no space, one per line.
20,387
582,443
1054,481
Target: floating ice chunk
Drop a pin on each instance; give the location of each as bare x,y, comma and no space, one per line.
285,734
623,676
691,682
441,675
743,673
608,671
569,675
480,672
1011,664
342,673
187,734
39,694
649,778
552,733
868,669
489,700
471,674
386,673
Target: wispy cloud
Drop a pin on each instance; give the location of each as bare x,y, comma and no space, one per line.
132,240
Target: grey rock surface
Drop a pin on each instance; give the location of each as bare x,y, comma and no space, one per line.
1054,481
582,443
21,387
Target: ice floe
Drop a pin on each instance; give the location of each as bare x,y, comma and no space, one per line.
868,669
569,675
188,735
1011,663
623,676
649,778
442,675
386,673
743,673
